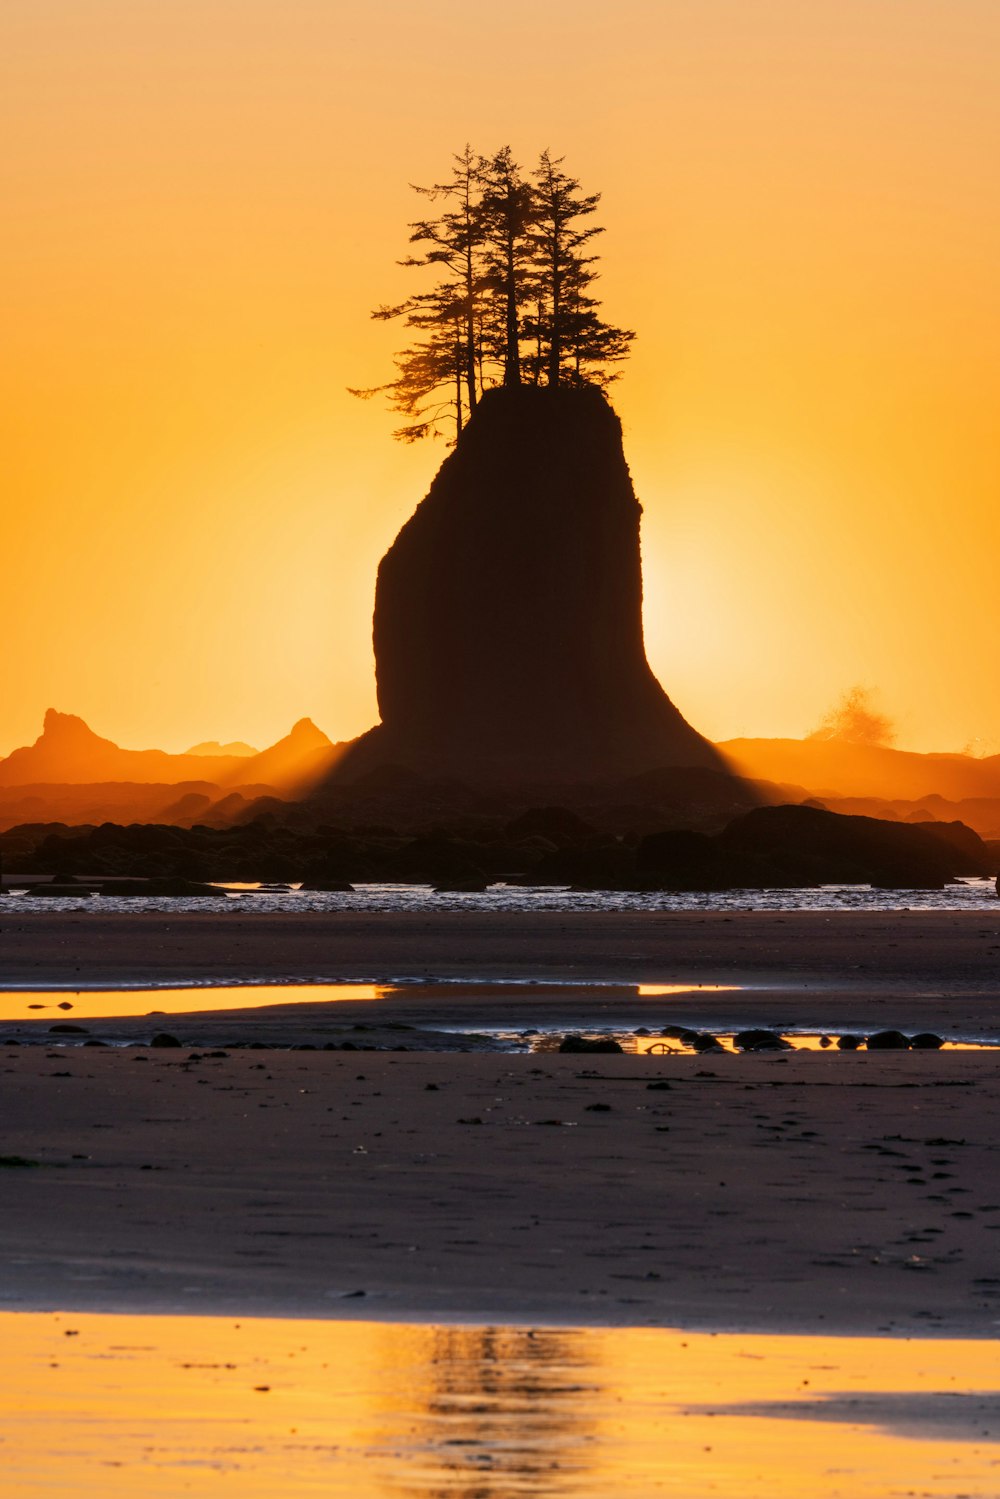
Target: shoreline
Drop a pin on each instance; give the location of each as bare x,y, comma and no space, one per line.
500,1317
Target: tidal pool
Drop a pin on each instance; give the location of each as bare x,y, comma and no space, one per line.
87,1004
200,1406
434,1015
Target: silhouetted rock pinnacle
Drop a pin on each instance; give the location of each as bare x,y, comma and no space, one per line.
508,611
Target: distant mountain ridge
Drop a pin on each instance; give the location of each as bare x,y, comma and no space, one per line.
72,775
836,767
69,753
213,747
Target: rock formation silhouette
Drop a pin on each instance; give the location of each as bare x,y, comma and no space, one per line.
69,753
508,611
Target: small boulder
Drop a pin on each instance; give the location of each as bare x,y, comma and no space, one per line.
850,1043
888,1041
158,889
926,1041
60,890
590,1044
163,1039
761,1040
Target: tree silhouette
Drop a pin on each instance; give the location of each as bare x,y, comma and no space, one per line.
508,214
570,335
430,377
514,298
455,244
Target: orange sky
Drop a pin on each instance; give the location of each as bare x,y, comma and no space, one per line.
204,198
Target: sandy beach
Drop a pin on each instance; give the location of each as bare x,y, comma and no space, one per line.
806,1192
918,952
809,1192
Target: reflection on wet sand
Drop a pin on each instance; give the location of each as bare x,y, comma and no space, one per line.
106,1405
88,1004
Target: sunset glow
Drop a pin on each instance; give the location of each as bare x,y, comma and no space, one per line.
204,201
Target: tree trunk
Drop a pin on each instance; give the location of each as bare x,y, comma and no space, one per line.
470,329
512,360
555,334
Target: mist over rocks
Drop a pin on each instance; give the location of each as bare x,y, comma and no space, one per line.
508,611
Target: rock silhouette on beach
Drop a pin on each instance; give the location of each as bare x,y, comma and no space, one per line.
597,1044
769,847
756,1039
508,611
888,1041
788,846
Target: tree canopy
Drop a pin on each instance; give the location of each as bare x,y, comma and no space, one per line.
512,298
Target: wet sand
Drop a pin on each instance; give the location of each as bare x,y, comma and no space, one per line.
839,970
814,1192
161,1406
926,952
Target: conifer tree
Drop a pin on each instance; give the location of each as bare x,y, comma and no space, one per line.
571,336
514,297
508,212
430,379
455,241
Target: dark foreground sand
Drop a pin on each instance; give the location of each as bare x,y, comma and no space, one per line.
820,1191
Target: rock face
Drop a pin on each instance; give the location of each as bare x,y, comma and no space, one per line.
508,611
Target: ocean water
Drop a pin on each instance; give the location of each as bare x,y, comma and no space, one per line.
964,895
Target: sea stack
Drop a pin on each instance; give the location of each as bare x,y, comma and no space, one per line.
508,611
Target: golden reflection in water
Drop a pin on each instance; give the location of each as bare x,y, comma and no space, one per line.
91,1004
653,991
169,1406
